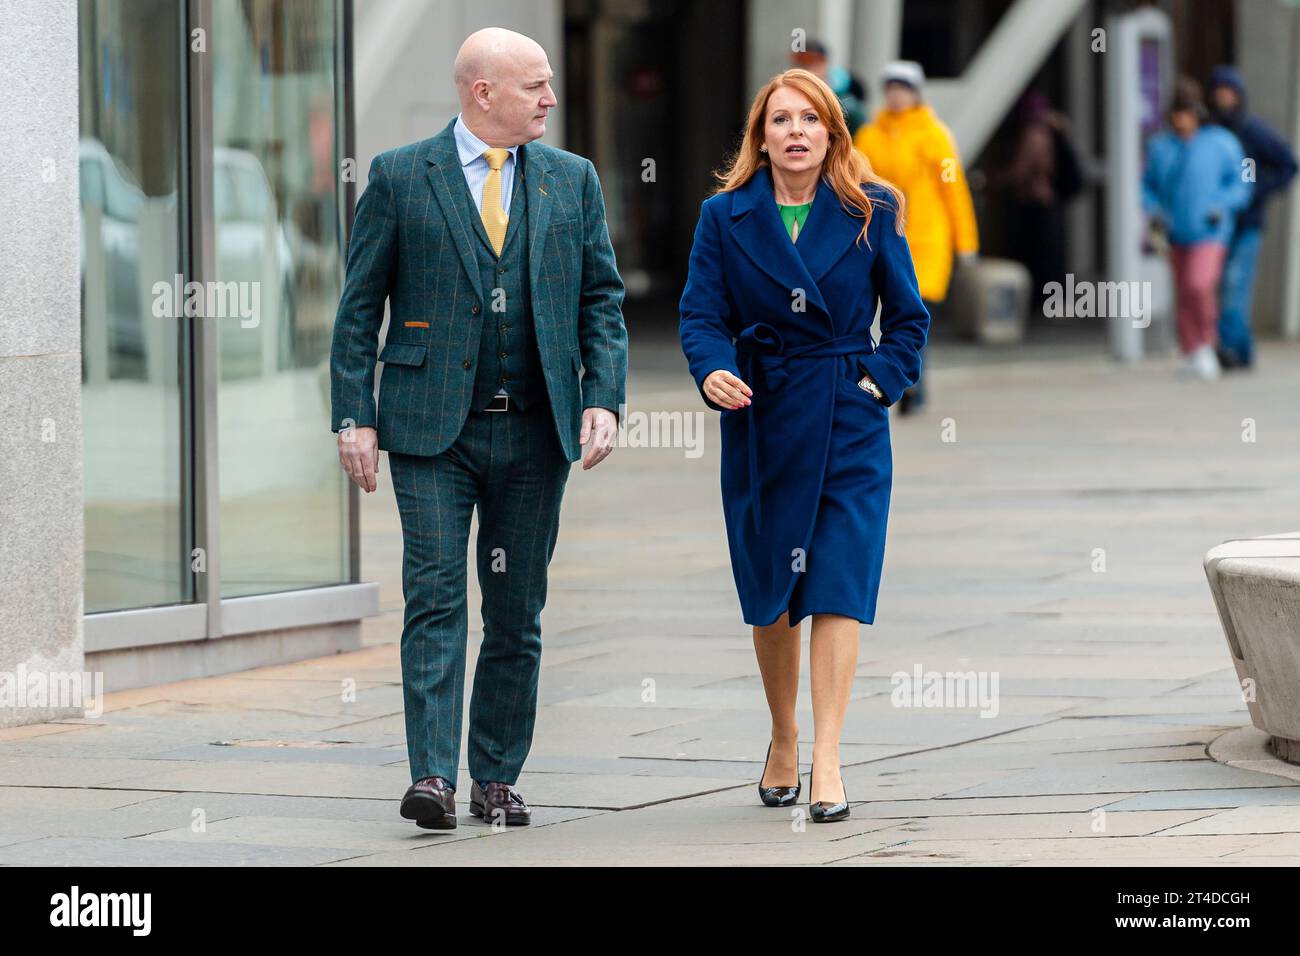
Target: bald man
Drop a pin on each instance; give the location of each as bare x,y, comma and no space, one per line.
506,353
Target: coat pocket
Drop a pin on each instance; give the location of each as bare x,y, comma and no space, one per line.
403,353
862,371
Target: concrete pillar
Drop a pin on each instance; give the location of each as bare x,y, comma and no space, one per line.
1268,47
770,29
1080,107
40,364
877,38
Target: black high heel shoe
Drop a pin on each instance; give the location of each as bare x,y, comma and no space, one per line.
823,812
779,796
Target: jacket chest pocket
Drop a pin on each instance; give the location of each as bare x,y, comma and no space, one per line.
403,353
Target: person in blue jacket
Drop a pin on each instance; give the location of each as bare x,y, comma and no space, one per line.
1194,185
1274,167
791,256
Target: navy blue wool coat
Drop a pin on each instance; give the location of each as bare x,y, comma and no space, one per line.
807,467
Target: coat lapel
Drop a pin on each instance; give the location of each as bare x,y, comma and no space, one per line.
827,234
452,194
761,234
538,194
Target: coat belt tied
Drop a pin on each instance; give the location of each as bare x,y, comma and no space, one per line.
760,347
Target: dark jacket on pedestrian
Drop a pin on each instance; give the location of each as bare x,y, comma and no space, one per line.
1275,161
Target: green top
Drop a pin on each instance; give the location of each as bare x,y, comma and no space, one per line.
794,217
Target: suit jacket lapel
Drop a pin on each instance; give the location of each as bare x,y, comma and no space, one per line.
538,189
452,193
762,236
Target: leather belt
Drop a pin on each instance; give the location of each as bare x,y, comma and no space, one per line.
761,347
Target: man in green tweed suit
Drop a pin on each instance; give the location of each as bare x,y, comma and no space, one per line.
506,353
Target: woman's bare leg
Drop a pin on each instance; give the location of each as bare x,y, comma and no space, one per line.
833,659
777,648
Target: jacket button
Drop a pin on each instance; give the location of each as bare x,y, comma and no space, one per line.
475,310
467,363
501,271
505,354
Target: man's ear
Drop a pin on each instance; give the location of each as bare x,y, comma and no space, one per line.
483,93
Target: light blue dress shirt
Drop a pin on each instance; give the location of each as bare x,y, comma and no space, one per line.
475,166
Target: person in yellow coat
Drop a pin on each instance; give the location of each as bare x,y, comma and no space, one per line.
909,146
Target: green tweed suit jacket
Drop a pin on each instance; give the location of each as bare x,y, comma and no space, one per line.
413,244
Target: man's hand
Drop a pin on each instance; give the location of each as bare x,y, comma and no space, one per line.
599,426
723,388
359,455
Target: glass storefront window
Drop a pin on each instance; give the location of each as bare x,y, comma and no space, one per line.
276,233
278,236
136,525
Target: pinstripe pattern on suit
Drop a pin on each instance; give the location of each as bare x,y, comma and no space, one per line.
512,467
412,243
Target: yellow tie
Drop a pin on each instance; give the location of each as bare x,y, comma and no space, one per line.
494,217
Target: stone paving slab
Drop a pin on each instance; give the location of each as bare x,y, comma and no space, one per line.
1279,794
1167,775
72,798
1067,803
304,832
1048,825
102,851
300,779
1258,819
1120,850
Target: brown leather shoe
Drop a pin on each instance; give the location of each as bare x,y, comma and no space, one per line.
499,802
431,803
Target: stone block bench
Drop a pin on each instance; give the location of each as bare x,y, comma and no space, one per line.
1256,588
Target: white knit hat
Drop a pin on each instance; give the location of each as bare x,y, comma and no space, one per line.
908,72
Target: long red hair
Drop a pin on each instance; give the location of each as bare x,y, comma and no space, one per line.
844,169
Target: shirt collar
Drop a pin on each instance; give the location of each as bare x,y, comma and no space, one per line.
469,147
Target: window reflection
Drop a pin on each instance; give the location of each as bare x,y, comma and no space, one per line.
135,530
276,227
277,211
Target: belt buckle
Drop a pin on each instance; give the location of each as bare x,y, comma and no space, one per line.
499,403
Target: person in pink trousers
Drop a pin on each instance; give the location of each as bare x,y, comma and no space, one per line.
1196,181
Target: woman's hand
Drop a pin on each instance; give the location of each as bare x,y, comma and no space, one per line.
723,388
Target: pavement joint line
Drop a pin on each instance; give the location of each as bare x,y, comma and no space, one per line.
854,856
579,660
233,816
676,799
166,791
365,720
169,791
1209,813
655,730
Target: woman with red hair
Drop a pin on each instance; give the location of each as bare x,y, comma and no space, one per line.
792,255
